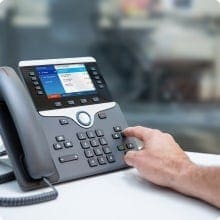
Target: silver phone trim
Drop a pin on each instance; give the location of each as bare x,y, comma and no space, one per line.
72,112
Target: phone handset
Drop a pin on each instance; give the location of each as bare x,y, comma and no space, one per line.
38,161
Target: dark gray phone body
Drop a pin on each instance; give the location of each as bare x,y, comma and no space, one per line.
61,143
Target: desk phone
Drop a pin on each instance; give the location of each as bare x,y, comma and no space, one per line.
59,122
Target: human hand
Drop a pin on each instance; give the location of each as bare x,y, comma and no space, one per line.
161,160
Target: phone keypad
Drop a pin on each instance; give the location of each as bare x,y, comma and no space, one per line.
95,146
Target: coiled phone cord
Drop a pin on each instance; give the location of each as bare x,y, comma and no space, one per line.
27,200
30,200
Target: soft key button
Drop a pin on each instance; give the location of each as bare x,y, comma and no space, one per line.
83,118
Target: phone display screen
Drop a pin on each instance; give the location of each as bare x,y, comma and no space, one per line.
65,80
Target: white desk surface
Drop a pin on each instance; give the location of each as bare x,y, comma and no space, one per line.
119,195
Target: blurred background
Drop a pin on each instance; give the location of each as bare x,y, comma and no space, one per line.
160,58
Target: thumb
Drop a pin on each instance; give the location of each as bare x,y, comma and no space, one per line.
133,158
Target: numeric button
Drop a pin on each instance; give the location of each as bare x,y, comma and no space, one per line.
81,136
106,149
84,144
92,162
98,151
102,160
99,133
110,158
103,141
94,143
90,134
89,153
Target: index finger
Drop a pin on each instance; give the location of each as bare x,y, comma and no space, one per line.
139,132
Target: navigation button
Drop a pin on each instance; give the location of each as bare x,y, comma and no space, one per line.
102,115
84,118
33,78
64,121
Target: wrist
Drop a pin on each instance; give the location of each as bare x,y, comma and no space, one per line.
184,178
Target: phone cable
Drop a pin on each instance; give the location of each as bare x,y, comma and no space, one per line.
30,200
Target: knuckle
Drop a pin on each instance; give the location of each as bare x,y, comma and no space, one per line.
167,135
156,132
138,127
